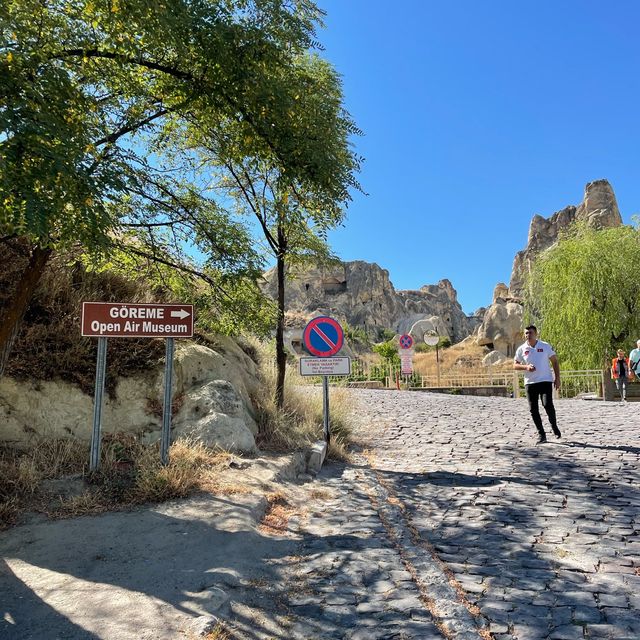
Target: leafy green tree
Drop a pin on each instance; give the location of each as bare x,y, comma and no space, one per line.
293,210
88,89
388,350
584,293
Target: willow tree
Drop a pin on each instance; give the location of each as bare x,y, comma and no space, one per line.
294,209
86,88
585,293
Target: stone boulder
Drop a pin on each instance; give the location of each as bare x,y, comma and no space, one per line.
214,414
500,293
502,327
494,358
434,323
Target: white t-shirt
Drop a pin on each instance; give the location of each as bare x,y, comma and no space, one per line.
538,356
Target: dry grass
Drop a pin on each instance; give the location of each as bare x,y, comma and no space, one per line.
300,421
219,632
130,474
276,517
464,358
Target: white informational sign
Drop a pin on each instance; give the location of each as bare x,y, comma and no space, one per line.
334,366
406,361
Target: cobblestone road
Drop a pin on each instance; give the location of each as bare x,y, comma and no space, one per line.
453,524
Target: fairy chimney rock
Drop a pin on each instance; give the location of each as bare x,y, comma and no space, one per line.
598,209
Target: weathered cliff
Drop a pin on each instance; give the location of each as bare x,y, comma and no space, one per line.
598,209
361,294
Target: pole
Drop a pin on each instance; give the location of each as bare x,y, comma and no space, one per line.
166,409
101,366
438,364
325,406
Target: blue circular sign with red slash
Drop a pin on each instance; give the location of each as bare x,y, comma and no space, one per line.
323,337
406,341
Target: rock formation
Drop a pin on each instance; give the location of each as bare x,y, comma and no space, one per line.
361,294
598,209
501,328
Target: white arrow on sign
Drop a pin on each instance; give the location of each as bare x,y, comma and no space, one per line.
182,314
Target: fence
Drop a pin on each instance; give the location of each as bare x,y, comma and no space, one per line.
574,382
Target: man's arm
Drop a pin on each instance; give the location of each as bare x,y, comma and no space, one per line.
556,371
521,366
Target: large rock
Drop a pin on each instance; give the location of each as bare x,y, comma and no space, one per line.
211,389
214,414
427,325
501,328
361,294
598,210
494,358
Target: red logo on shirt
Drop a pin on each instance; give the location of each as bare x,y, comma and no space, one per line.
526,353
540,350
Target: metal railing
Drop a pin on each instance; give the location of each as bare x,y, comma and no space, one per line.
575,383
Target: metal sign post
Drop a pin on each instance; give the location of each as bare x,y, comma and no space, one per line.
325,408
166,410
101,367
323,337
134,320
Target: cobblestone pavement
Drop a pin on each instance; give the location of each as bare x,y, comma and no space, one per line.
453,524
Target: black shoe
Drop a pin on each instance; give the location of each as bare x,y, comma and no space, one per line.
556,433
542,440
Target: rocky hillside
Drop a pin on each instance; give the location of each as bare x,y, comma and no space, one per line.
361,294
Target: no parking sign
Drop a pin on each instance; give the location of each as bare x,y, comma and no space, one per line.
323,337
406,341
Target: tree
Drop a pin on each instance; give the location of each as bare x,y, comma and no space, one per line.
293,209
585,294
87,87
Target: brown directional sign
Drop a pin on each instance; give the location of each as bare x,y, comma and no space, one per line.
133,320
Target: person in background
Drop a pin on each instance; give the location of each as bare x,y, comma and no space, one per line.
620,372
536,358
634,360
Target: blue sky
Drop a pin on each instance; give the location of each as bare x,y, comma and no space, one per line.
476,116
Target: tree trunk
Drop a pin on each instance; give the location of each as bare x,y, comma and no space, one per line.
281,356
11,320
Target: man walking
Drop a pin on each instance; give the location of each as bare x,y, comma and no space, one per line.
533,357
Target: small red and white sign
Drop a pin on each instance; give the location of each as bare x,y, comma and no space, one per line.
335,366
406,341
136,320
406,362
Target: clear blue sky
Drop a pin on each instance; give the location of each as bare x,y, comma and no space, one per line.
476,116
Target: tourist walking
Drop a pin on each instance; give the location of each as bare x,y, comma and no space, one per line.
536,357
621,372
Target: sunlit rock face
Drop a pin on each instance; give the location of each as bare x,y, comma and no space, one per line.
598,209
361,294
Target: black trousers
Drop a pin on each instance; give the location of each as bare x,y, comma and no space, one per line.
542,390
